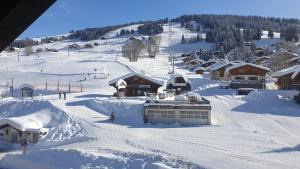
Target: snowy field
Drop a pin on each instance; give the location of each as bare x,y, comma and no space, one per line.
260,130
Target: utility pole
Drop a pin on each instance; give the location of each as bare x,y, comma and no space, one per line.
12,87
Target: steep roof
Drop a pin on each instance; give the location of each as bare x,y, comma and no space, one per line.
199,68
246,64
161,83
219,65
172,78
295,70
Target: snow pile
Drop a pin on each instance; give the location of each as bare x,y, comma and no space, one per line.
38,114
127,111
66,159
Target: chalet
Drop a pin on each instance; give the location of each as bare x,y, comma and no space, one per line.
288,78
27,90
185,110
246,75
195,62
294,61
259,51
217,70
51,50
261,60
208,63
179,83
137,84
282,60
74,46
186,59
18,129
199,70
88,46
11,49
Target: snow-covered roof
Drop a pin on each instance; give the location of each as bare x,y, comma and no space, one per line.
121,84
263,57
295,70
174,76
27,86
136,74
293,59
219,65
198,60
246,64
23,123
199,68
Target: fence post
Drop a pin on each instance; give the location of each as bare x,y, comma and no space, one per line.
81,89
46,85
69,87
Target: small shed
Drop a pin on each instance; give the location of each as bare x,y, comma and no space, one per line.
18,129
27,90
121,87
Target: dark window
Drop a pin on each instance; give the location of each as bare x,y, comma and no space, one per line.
239,78
252,78
6,131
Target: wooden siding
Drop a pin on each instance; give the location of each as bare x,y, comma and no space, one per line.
248,70
136,86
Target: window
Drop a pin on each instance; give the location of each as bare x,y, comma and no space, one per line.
253,78
239,78
20,134
6,131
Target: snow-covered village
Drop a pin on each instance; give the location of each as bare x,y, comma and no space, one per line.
192,91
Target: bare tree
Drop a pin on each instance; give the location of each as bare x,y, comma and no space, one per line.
133,49
153,45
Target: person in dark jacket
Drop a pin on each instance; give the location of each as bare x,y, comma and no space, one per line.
112,116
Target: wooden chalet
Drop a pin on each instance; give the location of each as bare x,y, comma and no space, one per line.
246,75
208,63
259,51
217,70
294,61
261,60
137,84
179,83
289,78
199,70
282,60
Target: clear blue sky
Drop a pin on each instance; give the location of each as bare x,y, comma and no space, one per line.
66,15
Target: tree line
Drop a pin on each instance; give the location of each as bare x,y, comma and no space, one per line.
231,31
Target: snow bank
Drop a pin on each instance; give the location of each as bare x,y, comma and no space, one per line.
37,114
66,159
127,111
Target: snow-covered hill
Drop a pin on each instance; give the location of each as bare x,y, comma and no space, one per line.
256,131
